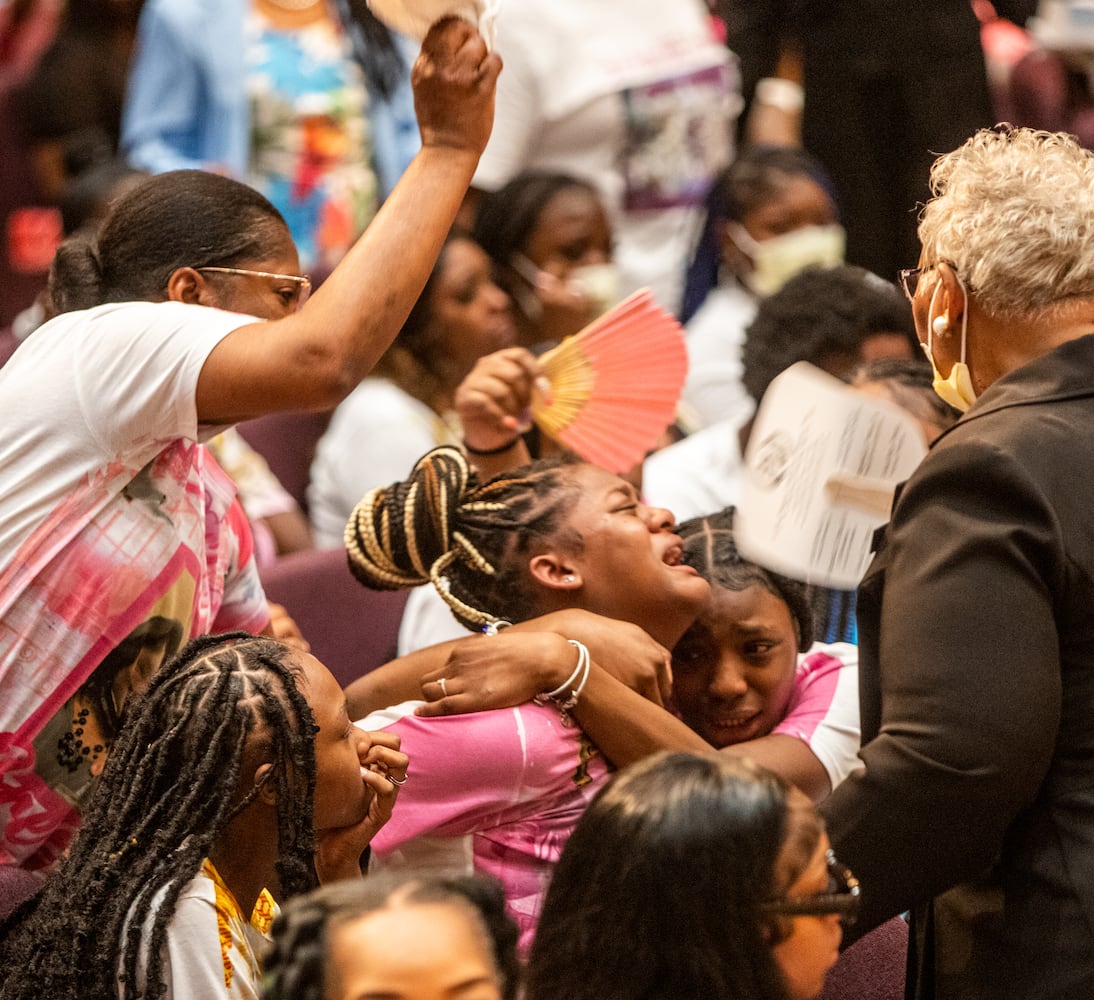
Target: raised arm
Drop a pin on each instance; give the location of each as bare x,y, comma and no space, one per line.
312,359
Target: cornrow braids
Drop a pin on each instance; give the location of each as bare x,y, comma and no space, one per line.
296,966
711,549
442,526
169,789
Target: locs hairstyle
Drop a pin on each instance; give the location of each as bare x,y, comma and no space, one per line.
171,785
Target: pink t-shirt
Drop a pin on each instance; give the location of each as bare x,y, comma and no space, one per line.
514,781
824,712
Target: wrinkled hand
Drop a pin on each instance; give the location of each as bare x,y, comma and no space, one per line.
494,398
283,627
485,672
454,79
338,851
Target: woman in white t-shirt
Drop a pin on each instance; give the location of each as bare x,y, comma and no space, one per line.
185,313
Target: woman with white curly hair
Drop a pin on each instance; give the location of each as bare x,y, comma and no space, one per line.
976,806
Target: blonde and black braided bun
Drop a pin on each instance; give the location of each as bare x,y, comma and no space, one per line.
442,526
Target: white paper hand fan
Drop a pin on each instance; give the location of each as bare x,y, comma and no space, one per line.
615,385
414,17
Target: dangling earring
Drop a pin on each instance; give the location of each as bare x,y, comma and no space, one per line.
940,326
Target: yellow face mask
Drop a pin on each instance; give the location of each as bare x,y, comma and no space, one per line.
956,389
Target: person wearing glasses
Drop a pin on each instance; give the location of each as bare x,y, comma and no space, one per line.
975,808
185,313
693,876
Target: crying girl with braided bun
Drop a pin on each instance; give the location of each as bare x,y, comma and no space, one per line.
503,788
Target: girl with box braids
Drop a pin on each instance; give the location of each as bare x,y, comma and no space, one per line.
561,538
443,526
174,779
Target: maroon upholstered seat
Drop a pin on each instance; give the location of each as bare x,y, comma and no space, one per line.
351,629
16,886
873,968
287,442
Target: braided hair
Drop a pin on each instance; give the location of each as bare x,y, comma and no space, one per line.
442,526
297,964
169,789
710,549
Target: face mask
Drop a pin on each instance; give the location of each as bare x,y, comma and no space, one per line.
778,259
599,283
956,389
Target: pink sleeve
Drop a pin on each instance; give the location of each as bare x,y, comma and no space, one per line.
824,711
472,772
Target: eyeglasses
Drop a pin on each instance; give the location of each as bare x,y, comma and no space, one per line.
301,282
842,897
909,279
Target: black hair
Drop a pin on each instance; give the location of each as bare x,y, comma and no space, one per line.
748,183
172,783
374,47
154,632
711,549
442,525
415,360
506,218
182,218
297,964
821,315
657,893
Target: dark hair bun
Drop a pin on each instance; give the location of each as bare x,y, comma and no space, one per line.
75,278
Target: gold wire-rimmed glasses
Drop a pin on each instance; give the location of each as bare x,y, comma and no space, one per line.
301,282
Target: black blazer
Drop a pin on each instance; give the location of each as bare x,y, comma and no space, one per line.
976,807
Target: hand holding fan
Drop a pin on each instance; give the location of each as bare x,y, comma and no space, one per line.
414,17
614,385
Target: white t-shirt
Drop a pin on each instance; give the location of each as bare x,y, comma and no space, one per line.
699,475
211,950
375,436
714,336
823,712
120,537
636,96
426,621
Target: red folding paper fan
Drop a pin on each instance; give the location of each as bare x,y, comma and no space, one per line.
615,385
